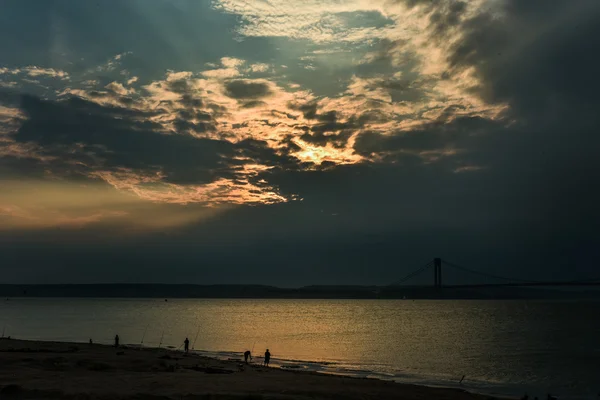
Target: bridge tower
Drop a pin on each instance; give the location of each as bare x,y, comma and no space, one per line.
437,273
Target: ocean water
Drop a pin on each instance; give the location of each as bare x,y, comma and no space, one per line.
501,347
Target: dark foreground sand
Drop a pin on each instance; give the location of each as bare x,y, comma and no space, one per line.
49,370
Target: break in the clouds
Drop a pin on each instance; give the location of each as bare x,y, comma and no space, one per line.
364,117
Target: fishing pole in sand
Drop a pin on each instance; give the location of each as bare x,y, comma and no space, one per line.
161,338
196,338
252,351
144,335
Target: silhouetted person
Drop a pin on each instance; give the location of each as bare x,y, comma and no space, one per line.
116,340
247,355
267,357
186,345
91,341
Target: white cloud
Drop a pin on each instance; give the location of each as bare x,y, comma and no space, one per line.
311,19
221,73
34,71
231,62
118,88
259,67
176,76
231,68
112,63
8,114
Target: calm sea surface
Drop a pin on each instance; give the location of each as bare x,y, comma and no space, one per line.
503,347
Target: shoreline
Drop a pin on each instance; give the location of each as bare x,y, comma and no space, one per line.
335,368
39,369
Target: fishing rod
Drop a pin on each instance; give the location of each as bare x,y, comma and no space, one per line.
252,351
196,338
144,335
161,338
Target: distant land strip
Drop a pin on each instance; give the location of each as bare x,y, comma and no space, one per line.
167,291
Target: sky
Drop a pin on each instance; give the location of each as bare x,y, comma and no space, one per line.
298,142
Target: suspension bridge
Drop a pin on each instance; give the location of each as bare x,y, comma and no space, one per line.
438,265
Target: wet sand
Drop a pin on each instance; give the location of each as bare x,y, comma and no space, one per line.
51,370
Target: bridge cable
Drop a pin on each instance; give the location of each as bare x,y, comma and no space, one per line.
452,265
412,274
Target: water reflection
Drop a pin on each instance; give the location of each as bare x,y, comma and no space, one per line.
546,344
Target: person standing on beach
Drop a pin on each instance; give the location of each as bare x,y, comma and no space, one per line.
116,340
267,357
247,355
186,345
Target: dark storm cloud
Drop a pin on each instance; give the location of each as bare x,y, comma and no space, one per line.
180,86
320,138
466,133
259,150
327,127
309,110
123,138
253,104
404,89
195,114
541,58
182,125
537,57
189,100
243,89
445,14
330,130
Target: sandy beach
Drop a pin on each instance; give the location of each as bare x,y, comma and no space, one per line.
52,370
